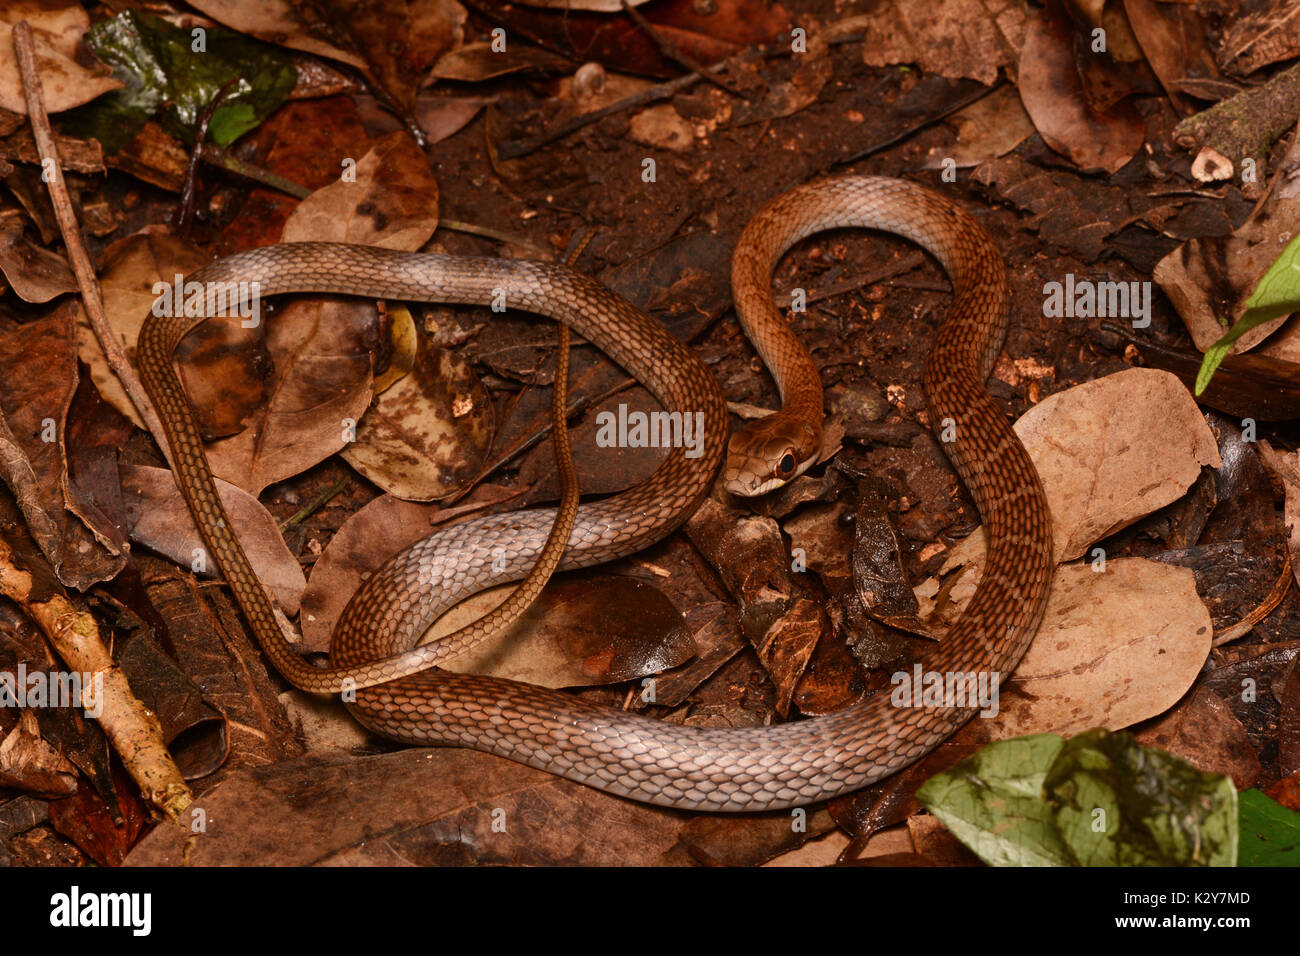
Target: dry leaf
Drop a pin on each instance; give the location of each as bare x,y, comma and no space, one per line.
160,519
471,808
1092,445
957,38
425,437
64,82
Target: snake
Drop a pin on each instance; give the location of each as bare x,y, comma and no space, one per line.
391,684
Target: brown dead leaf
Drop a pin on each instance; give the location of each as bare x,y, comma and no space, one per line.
1093,450
1053,94
1203,731
752,839
1259,35
780,616
159,518
35,273
425,437
937,844
990,127
210,643
39,368
134,266
1115,648
1173,39
443,116
64,82
29,764
584,630
476,62
472,809
61,25
85,819
959,38
275,21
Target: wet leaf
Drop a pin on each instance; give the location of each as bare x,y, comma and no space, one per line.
1270,833
993,803
1096,799
1117,803
163,71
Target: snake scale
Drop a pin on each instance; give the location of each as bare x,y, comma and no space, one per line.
733,769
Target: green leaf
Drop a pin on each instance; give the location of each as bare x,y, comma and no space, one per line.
992,802
1118,803
1270,832
164,71
1276,294
1098,799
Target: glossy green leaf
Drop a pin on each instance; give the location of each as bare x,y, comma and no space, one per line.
1118,803
1270,832
992,802
171,70
1098,799
1276,294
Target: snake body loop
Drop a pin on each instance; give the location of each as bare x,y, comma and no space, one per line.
688,767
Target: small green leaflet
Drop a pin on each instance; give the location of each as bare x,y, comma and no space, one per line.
1098,799
1270,833
1277,293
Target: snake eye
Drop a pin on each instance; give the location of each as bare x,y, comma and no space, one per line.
785,467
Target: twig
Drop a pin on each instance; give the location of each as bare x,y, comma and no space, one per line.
185,211
679,56
960,104
515,148
320,501
91,296
216,156
130,726
497,235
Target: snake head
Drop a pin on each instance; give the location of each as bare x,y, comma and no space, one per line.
766,454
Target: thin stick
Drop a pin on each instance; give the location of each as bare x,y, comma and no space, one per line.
91,296
679,56
189,188
514,148
130,726
216,156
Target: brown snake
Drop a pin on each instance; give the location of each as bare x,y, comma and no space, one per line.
689,767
